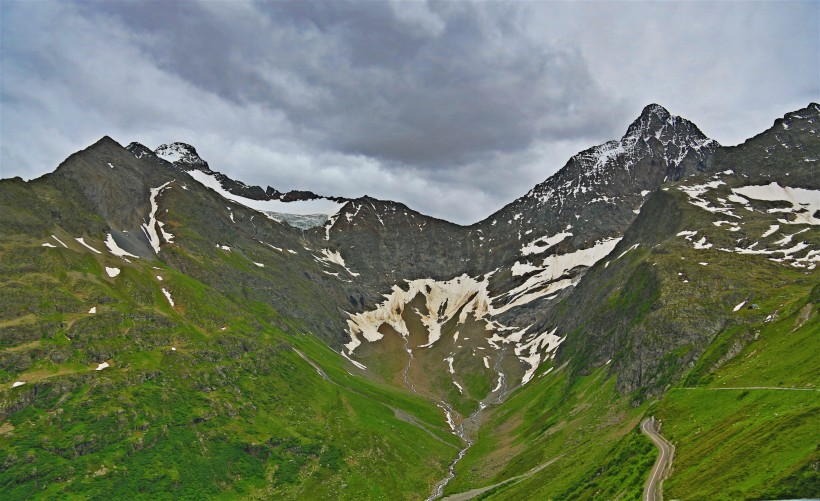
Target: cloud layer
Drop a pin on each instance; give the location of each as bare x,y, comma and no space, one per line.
453,108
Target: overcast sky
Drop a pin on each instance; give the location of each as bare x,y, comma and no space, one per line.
453,108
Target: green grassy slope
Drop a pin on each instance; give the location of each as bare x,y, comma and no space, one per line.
205,398
750,429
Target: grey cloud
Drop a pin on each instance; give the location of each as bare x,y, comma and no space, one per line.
359,78
453,108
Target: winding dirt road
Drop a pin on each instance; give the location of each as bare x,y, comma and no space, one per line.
653,489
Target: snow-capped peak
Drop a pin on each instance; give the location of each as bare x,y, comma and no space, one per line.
656,121
181,154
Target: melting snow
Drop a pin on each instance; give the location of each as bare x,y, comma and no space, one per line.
788,238
115,249
696,191
112,272
357,364
449,361
102,366
804,200
519,269
701,244
530,352
49,245
304,207
738,307
534,247
624,252
335,258
168,296
86,245
150,228
443,300
18,383
771,230
261,265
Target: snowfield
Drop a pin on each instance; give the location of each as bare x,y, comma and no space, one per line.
303,207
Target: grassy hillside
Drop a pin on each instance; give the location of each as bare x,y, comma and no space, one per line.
206,398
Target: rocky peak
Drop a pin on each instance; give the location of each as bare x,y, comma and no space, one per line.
655,121
139,150
183,155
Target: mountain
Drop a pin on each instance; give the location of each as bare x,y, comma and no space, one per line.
324,347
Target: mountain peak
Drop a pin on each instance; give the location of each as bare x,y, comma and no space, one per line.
139,150
656,121
655,109
653,119
181,154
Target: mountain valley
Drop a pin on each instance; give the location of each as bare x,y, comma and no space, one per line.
167,331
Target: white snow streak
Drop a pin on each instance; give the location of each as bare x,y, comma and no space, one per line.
115,249
304,207
150,228
168,296
86,245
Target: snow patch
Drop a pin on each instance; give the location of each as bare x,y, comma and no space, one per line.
102,366
17,383
168,296
771,230
520,269
530,352
805,202
115,249
49,245
738,307
357,364
302,207
150,228
449,361
82,241
541,244
334,257
112,272
93,310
